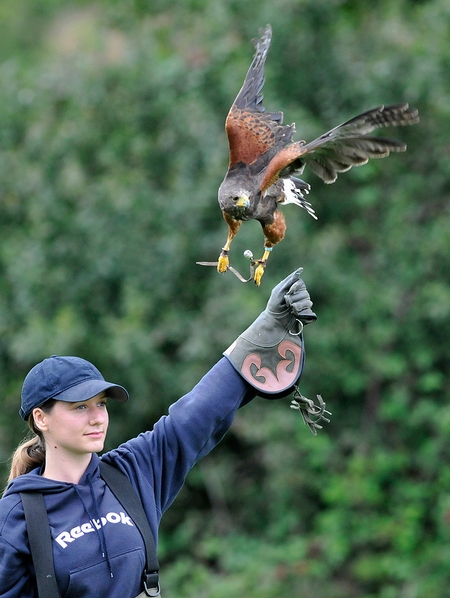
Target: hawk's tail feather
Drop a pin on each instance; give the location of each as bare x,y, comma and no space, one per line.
294,189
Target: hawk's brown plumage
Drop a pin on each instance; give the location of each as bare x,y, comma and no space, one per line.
264,157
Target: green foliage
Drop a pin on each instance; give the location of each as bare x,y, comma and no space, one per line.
112,148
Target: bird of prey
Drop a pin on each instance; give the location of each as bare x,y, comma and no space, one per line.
264,158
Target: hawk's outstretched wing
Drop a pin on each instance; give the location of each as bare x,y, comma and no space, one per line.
344,146
252,132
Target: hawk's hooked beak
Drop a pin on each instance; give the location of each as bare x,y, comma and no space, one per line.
242,201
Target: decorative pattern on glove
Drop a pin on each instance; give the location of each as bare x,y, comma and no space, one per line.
270,372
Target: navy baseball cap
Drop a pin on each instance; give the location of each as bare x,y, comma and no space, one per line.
69,379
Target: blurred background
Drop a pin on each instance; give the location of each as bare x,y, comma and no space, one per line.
112,147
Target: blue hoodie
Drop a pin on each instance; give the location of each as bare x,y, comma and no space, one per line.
97,550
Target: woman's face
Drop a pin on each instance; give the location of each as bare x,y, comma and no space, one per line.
74,428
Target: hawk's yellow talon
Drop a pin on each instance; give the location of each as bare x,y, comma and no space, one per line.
223,263
258,274
261,265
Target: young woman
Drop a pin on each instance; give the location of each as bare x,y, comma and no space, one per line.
97,549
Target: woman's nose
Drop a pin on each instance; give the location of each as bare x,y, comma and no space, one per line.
99,415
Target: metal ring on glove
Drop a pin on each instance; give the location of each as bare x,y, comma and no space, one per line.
300,331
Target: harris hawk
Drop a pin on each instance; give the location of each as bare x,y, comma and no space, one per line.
264,158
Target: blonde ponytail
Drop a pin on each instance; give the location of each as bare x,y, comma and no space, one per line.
31,452
28,455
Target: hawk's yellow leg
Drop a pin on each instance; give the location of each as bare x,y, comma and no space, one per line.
233,226
259,271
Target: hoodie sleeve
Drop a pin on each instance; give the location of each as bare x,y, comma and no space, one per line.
15,575
195,424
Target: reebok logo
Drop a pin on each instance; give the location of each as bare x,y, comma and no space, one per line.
64,538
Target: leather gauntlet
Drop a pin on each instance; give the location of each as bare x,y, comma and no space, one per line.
270,353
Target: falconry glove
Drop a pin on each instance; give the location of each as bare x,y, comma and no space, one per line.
269,354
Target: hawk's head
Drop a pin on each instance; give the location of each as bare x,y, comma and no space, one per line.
234,200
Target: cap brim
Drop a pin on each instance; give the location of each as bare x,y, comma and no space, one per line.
90,388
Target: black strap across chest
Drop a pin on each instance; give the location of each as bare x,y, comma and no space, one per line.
41,543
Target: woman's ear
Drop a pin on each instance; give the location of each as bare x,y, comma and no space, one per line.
40,419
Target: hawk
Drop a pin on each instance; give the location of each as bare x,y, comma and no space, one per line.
264,158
